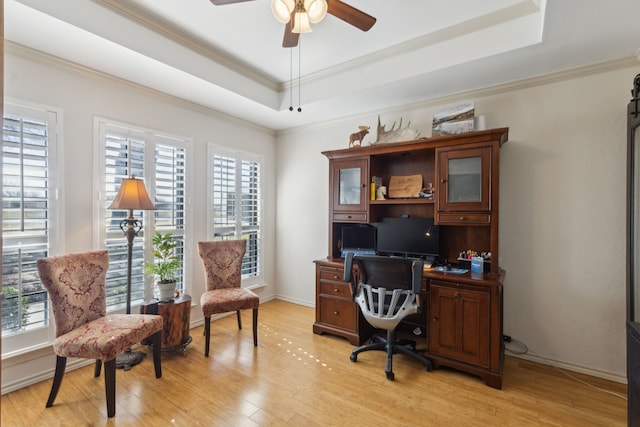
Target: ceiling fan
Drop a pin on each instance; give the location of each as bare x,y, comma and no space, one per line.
296,18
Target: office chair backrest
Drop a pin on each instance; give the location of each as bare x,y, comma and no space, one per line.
388,290
386,272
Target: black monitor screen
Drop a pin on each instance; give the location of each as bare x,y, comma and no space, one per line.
359,237
408,237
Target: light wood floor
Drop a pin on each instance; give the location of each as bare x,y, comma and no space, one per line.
296,378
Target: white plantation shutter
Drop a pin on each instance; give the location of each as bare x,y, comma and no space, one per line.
251,218
236,204
124,156
170,195
224,197
29,215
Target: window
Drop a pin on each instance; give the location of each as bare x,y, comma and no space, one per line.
236,205
29,221
161,162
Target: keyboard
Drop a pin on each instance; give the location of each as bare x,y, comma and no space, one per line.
365,252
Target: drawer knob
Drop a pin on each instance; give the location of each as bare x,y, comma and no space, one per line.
335,290
462,218
335,277
435,319
336,312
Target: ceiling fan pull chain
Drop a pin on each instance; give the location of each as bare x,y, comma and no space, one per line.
299,68
291,79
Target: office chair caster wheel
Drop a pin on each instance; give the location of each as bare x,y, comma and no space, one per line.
390,376
353,357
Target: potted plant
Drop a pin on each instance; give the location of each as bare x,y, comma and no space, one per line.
165,264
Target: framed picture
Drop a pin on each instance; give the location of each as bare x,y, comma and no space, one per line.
453,120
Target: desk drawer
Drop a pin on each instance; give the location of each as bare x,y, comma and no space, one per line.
339,290
350,217
338,312
332,275
464,218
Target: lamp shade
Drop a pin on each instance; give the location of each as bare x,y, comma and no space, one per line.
301,23
282,9
132,195
316,9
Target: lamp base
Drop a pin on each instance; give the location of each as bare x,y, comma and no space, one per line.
129,358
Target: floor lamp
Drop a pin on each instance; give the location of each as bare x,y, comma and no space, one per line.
131,195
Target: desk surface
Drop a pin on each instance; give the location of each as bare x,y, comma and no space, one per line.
487,279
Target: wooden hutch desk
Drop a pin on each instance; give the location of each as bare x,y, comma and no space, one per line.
461,314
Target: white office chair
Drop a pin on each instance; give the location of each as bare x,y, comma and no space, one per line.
388,291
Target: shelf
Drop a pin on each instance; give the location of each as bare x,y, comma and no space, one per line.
414,201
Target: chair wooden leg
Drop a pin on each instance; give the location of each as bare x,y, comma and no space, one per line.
96,372
157,353
110,386
61,364
255,327
239,319
207,333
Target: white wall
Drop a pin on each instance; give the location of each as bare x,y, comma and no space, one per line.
562,210
82,95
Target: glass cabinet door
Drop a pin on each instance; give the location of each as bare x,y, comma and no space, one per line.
349,185
464,176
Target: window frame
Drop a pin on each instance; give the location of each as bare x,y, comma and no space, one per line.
27,340
151,139
257,280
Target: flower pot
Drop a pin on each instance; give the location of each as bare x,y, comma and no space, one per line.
166,290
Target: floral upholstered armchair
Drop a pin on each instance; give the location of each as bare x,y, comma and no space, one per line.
222,262
76,286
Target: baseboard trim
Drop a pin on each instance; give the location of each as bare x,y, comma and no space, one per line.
571,368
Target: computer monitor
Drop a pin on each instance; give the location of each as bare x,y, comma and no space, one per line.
359,239
408,237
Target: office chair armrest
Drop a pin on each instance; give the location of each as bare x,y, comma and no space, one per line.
348,275
416,276
348,267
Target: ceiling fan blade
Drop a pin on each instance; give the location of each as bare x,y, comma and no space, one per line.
290,38
223,2
350,15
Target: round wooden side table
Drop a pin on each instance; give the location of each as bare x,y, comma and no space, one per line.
176,316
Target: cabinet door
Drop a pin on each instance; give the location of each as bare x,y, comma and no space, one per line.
459,324
349,185
464,177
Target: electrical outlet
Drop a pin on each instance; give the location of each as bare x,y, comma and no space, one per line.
506,338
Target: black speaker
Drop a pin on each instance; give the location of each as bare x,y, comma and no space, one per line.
633,374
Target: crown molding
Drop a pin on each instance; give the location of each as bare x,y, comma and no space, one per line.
166,29
22,51
444,35
502,88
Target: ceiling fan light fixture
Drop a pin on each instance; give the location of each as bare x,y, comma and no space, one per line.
316,9
282,9
301,23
